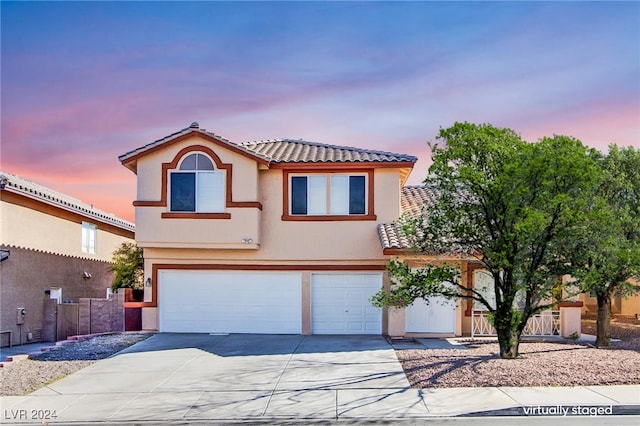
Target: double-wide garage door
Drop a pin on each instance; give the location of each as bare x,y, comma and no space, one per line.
267,302
229,302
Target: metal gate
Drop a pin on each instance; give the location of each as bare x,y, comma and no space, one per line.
67,320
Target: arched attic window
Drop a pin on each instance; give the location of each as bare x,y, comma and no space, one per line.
196,186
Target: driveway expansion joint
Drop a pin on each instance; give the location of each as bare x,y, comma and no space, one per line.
275,387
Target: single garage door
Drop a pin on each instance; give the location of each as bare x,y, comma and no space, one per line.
340,304
230,302
438,316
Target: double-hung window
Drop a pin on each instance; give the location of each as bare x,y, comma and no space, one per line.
196,186
331,194
89,232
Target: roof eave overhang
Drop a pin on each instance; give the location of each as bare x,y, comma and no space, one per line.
405,172
412,253
395,251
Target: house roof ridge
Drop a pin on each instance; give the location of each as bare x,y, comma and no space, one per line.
325,145
194,127
263,141
154,143
234,144
215,135
283,150
26,187
287,150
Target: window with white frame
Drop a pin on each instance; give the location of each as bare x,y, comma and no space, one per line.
196,186
484,284
89,233
328,194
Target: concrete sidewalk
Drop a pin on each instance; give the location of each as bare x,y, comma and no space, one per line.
318,405
255,378
23,349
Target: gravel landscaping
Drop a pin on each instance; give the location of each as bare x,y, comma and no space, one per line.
540,363
23,377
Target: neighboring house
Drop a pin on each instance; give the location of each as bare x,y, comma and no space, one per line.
278,236
627,306
52,247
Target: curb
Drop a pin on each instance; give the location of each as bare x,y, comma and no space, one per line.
573,410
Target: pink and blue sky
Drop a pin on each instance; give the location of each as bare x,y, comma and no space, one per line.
83,82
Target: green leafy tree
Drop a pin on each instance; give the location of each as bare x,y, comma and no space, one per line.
508,203
609,257
127,267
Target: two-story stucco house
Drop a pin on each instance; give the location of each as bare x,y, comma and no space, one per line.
277,236
52,246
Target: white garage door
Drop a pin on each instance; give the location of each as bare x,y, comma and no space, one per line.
230,302
340,304
439,316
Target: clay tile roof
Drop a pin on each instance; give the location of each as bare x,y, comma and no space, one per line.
284,150
392,237
414,198
24,187
300,151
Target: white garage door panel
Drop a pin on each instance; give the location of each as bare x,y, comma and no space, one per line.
228,302
439,316
340,304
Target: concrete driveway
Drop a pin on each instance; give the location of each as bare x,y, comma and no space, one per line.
200,376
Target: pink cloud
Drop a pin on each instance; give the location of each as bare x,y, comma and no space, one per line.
111,189
596,126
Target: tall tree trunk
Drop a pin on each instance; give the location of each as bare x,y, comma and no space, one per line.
603,323
508,335
509,342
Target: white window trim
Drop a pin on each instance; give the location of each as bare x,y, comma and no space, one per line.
327,186
89,245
